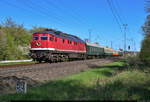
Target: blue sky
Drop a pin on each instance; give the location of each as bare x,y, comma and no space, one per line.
77,16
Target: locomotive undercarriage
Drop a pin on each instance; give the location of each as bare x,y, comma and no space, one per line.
94,56
55,56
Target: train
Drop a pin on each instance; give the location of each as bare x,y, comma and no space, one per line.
54,46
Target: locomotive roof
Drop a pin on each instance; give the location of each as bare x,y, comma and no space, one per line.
62,35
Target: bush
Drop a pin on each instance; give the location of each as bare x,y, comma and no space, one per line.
133,63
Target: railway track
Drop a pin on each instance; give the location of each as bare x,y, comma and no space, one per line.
29,68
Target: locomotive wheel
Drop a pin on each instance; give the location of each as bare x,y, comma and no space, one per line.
39,61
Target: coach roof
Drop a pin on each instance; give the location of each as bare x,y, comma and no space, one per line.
94,45
61,35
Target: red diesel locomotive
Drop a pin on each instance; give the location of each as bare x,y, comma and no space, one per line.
51,45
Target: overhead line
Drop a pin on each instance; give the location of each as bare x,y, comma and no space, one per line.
116,12
73,11
62,9
120,10
31,10
117,4
44,11
57,7
110,6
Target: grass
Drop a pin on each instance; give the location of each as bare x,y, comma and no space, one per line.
102,83
13,63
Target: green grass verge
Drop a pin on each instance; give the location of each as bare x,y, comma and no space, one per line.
96,84
13,63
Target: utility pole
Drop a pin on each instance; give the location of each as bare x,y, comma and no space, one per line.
134,47
125,27
132,44
111,44
89,34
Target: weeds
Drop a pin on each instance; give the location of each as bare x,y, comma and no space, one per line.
128,85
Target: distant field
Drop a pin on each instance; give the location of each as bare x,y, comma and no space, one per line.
105,83
13,63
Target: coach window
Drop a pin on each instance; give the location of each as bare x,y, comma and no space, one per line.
74,43
36,37
70,42
51,39
44,37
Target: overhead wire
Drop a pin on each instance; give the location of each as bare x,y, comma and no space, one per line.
115,15
75,11
45,11
111,8
31,10
116,12
120,11
123,16
60,8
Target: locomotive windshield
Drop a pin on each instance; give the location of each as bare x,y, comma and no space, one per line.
44,37
36,37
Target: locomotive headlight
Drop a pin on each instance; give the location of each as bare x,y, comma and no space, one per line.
38,44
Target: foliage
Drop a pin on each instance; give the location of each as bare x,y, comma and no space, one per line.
133,62
3,45
37,29
12,35
145,50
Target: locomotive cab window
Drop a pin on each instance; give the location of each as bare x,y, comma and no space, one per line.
63,40
55,39
36,37
51,39
44,37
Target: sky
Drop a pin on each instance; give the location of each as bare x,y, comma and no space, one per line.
79,17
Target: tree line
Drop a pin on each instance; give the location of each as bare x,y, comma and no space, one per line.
15,40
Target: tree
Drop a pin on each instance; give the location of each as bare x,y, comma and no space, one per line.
37,29
12,36
145,50
3,45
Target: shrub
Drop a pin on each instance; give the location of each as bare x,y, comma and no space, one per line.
133,63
